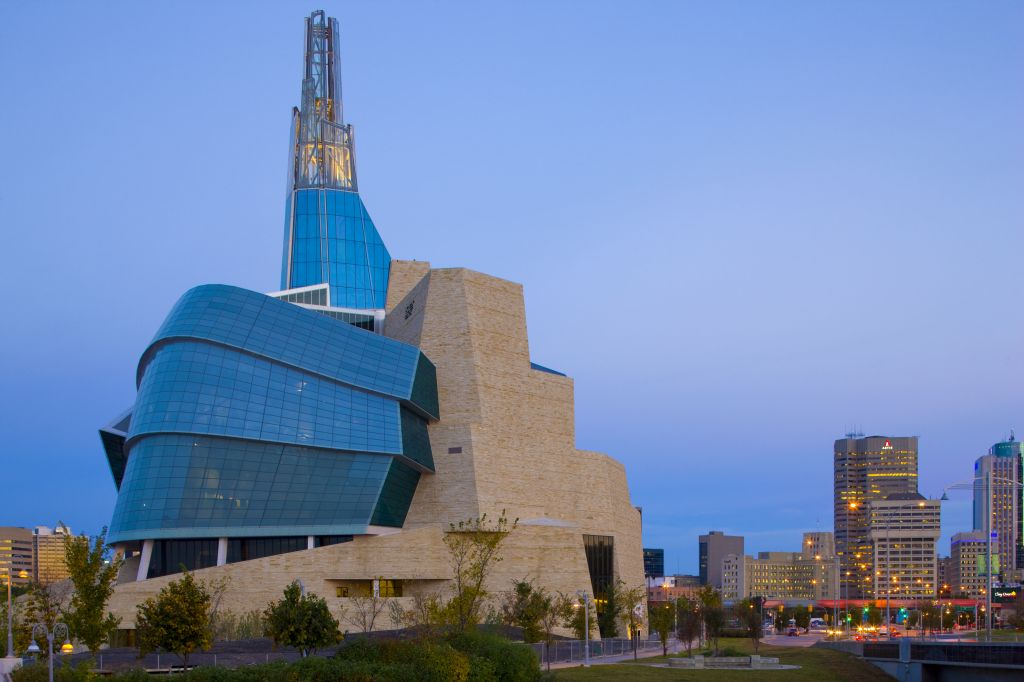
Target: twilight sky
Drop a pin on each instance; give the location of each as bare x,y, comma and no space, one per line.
743,227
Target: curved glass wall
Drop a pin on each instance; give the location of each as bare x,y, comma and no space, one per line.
258,418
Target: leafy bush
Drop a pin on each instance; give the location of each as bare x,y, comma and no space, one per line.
40,672
433,661
510,662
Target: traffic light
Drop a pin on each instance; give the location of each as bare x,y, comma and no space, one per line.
865,609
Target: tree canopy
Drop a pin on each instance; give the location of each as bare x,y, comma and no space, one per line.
302,621
177,620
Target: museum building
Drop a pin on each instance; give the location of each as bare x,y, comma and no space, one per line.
332,430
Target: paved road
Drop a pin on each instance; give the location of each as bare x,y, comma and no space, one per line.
803,639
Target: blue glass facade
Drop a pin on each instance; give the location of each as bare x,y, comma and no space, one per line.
330,239
255,417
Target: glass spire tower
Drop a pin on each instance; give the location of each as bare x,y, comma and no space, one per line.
334,259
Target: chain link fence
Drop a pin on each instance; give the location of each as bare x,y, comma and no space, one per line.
573,650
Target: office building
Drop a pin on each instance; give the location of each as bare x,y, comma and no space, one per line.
712,548
944,576
807,575
866,469
15,555
999,495
331,431
48,564
654,563
903,530
968,552
819,544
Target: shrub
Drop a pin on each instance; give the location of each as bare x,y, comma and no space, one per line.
510,661
62,672
433,661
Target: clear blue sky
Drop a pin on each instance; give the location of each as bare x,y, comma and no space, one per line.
743,227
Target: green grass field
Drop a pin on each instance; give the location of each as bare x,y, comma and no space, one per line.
816,664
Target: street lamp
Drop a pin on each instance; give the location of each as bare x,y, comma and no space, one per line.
10,612
582,594
50,635
970,484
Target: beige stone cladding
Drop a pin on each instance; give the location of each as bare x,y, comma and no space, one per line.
506,438
505,441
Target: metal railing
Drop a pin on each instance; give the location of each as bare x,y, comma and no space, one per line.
572,650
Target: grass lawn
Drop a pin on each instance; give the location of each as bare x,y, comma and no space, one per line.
816,664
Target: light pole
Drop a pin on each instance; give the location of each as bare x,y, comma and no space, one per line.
582,594
50,635
844,584
10,612
970,484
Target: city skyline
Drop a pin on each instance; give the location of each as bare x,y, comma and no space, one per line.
897,210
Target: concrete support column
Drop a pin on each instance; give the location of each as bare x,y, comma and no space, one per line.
310,541
144,557
222,551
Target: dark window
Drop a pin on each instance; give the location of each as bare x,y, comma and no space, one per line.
244,549
600,551
326,540
454,451
170,556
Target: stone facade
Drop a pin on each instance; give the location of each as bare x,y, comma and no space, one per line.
505,443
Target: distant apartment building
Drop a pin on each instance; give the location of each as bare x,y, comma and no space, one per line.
819,543
15,555
714,547
800,576
48,554
866,469
672,587
999,495
968,552
654,563
944,576
903,530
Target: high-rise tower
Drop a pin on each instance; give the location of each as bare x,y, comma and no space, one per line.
998,493
866,470
334,259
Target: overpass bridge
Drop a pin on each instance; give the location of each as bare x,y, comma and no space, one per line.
910,661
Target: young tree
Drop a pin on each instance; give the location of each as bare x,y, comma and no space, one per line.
711,613
578,616
608,609
21,633
689,622
748,613
662,617
523,606
93,574
177,620
365,608
302,621
45,605
558,609
473,548
428,614
632,600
